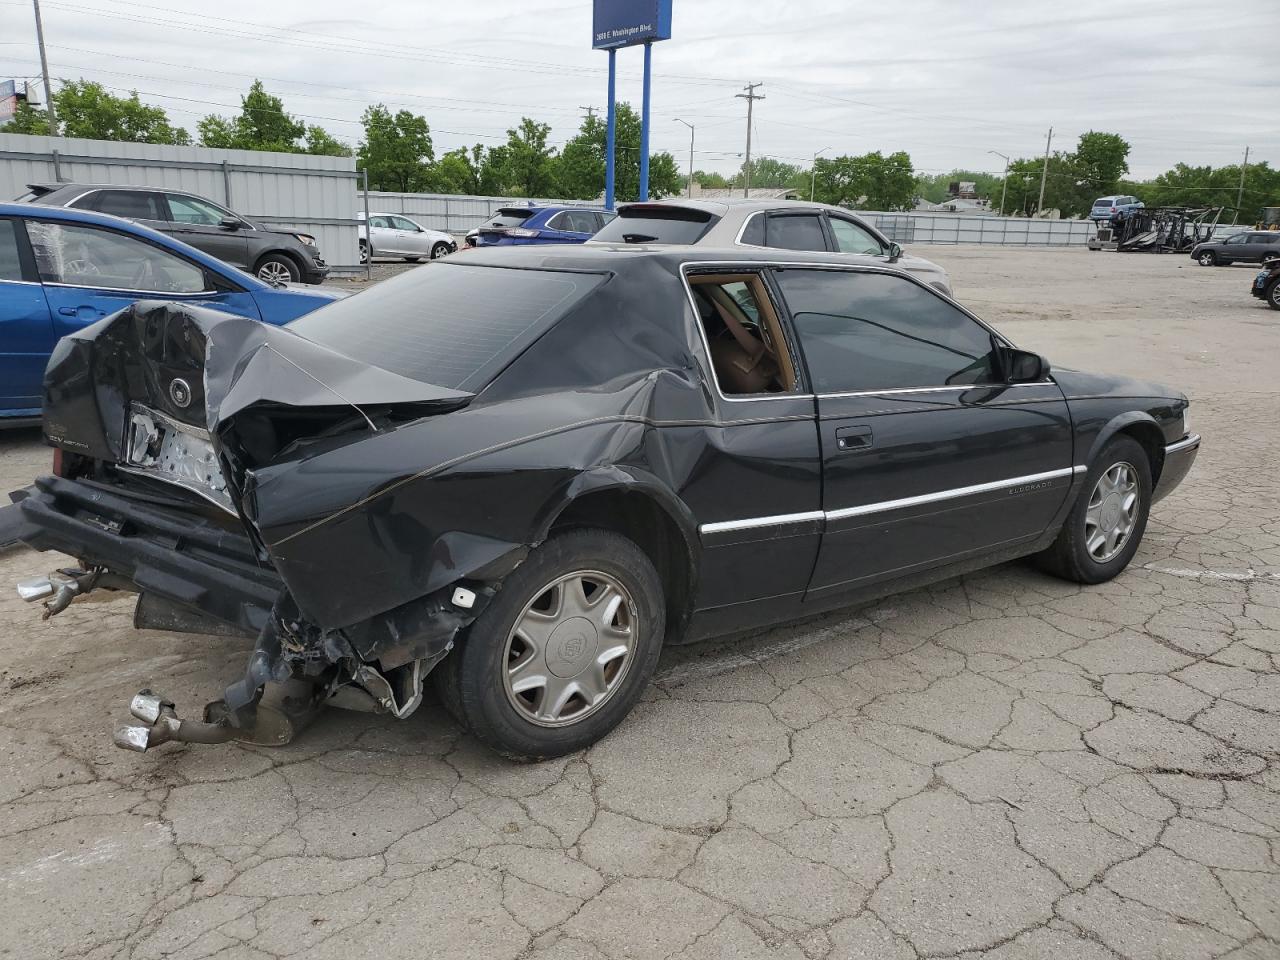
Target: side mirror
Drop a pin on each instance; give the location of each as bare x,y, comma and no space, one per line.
1023,366
229,223
895,252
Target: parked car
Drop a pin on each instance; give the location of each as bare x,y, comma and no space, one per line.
395,235
274,256
518,226
64,269
1114,208
1266,285
1253,246
779,224
523,472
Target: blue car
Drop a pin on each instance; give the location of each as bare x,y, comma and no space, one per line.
513,226
63,269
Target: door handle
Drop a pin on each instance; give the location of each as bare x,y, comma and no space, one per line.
853,439
81,311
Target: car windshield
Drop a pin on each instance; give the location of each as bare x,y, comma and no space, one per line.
653,224
451,325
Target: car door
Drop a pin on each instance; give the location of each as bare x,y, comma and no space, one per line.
208,227
929,456
410,238
384,237
89,272
26,329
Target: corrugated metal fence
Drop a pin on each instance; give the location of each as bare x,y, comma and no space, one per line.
450,213
956,228
317,195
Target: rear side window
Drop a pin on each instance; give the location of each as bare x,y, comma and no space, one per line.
131,204
451,325
10,263
656,224
802,232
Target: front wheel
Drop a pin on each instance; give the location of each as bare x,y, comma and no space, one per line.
441,249
1105,526
1273,295
276,269
563,652
1208,259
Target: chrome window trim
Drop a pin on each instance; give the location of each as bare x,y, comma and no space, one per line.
25,283
900,390
753,265
1186,443
887,505
158,294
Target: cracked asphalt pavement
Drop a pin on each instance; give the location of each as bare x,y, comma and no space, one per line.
1003,766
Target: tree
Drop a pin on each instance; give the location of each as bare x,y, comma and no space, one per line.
1100,160
1074,178
710,181
767,172
580,165
396,150
263,124
527,164
934,188
86,109
869,182
462,171
1185,186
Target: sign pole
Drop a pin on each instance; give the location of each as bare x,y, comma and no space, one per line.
644,125
612,130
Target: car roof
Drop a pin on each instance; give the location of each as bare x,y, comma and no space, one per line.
78,185
737,205
610,256
27,211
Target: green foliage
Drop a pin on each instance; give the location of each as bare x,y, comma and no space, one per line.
768,172
320,142
86,109
527,165
710,181
263,124
1075,178
1185,186
465,172
934,188
579,168
869,182
396,150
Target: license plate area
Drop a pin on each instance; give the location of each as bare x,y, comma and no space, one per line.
165,449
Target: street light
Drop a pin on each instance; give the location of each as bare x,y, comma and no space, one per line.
1005,182
690,126
813,171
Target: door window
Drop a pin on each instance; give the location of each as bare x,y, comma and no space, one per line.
851,238
190,210
1238,238
797,233
92,257
383,223
874,331
10,262
748,350
400,223
131,204
579,221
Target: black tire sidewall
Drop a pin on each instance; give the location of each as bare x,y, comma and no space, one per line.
1273,295
1119,449
479,695
1207,259
439,250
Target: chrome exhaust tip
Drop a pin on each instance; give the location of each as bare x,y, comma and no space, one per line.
133,738
147,706
35,589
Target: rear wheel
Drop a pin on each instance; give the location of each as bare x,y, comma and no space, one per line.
364,251
1105,526
564,650
1208,259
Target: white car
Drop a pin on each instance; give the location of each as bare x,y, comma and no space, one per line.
395,235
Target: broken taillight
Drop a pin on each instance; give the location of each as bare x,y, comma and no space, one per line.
59,463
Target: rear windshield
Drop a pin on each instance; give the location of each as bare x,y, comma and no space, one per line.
656,225
1104,202
448,324
509,218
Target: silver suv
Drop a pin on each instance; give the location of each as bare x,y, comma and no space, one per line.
780,224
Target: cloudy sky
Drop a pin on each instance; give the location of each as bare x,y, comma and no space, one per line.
1182,81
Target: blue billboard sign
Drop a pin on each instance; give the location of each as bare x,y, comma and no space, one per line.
624,23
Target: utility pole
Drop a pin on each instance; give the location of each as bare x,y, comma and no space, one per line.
751,97
1240,193
44,69
691,132
1005,184
591,111
1044,174
813,173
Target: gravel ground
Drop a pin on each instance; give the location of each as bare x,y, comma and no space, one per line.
1002,766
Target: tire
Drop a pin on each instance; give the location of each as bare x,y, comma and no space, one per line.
1270,257
441,249
1273,295
364,252
522,697
277,267
1071,556
1208,259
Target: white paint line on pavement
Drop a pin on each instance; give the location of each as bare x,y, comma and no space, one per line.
1247,576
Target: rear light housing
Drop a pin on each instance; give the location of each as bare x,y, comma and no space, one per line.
521,232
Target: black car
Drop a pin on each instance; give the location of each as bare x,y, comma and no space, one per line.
1266,285
525,470
275,256
1253,246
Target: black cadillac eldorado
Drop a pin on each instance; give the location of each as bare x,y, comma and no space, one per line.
523,471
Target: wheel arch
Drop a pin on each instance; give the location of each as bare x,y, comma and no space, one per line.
287,254
1143,428
649,515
